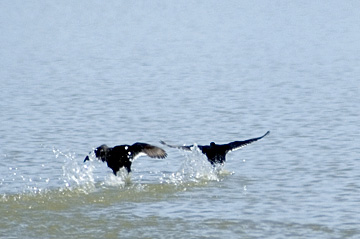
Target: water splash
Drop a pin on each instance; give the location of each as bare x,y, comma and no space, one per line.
74,177
195,168
78,174
75,173
122,179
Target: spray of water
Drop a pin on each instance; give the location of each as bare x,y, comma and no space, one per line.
195,168
76,173
76,177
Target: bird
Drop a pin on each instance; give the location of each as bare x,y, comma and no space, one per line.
216,153
123,155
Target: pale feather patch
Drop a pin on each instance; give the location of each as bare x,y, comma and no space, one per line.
138,155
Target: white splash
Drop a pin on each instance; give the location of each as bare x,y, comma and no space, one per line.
195,168
75,172
120,180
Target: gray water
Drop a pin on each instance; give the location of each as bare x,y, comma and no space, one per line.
78,74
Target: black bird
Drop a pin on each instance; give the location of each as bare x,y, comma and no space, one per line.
216,153
123,155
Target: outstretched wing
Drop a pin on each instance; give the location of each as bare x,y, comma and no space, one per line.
239,144
187,148
139,149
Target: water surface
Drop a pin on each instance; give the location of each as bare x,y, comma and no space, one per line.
76,75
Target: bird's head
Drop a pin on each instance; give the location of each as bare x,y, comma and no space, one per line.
101,152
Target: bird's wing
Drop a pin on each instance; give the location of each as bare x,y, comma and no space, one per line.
239,144
187,148
152,151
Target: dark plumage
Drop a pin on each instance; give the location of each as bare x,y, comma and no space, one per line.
216,153
123,155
